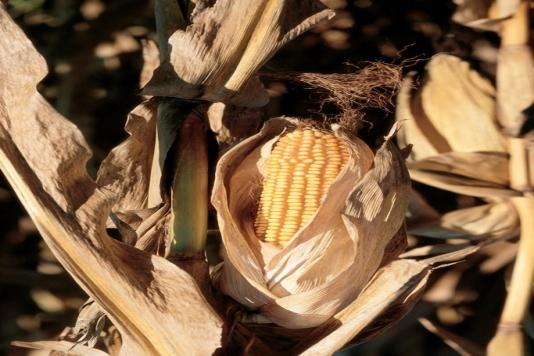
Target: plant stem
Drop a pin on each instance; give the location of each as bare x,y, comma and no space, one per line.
515,31
190,189
520,290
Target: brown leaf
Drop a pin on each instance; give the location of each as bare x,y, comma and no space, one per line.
413,123
217,56
137,291
150,61
67,347
392,284
495,221
39,132
462,185
459,344
515,86
490,166
483,14
232,124
453,104
126,171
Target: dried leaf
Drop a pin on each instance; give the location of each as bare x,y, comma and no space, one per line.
500,254
515,87
232,124
150,61
463,346
491,167
453,103
484,14
392,284
62,174
216,57
410,133
419,210
432,250
495,221
126,171
70,348
462,185
137,291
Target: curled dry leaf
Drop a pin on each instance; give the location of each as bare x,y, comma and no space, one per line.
453,103
483,14
336,253
232,124
459,344
137,291
216,56
495,221
67,347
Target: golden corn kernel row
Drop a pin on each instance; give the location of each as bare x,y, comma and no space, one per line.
299,171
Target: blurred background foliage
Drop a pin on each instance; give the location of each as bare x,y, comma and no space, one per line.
94,53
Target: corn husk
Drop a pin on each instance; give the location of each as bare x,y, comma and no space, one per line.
453,103
462,346
483,14
288,286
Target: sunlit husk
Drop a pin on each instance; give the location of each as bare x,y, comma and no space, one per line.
453,104
329,260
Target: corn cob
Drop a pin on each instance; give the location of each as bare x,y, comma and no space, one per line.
302,165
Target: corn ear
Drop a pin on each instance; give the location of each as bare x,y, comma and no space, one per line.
302,166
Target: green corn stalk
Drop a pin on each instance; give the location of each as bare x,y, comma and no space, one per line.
189,194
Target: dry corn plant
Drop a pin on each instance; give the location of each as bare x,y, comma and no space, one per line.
473,139
311,216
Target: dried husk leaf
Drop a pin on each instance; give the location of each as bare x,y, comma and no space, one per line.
137,291
150,61
70,348
463,185
515,86
494,221
453,103
484,14
232,124
491,167
463,346
401,280
39,132
408,115
216,57
330,254
126,171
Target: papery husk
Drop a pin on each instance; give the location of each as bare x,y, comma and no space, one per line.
494,221
484,14
66,347
320,271
232,124
462,346
43,157
515,84
454,110
226,43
